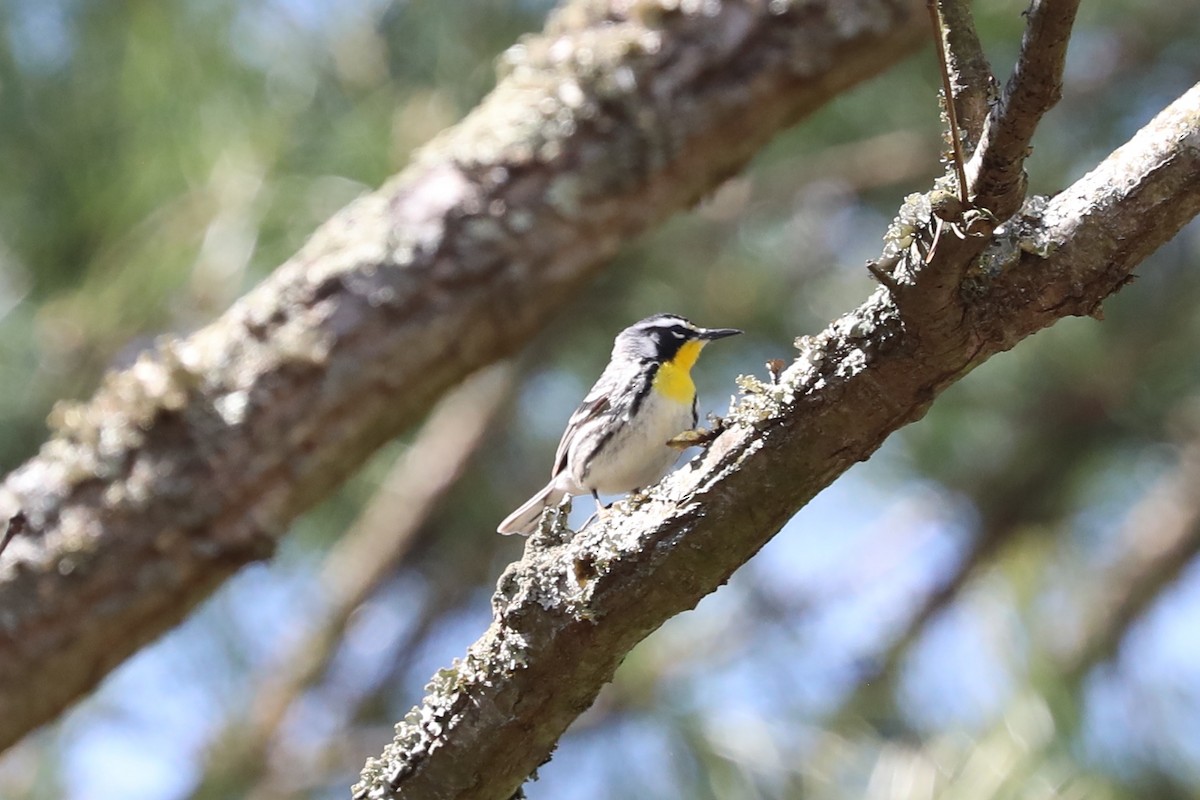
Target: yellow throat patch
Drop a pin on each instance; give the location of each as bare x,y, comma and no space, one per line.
674,378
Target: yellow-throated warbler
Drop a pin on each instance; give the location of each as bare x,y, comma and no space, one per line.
616,441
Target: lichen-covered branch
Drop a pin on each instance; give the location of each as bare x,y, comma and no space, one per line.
193,462
944,231
571,609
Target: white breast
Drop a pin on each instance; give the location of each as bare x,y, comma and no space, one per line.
638,455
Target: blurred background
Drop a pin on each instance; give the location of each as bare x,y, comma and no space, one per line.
1001,604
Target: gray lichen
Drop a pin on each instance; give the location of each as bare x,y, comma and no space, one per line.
1033,235
914,214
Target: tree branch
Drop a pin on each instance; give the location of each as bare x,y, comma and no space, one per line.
946,237
193,462
950,101
16,524
996,172
569,611
973,85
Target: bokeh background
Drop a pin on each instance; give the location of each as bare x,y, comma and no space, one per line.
1002,603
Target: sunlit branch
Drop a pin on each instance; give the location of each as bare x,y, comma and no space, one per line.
566,615
193,462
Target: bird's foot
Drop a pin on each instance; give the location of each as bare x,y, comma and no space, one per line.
637,497
602,511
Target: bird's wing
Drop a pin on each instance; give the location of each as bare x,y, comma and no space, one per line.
616,395
595,404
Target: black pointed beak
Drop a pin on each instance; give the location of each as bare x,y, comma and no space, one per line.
710,334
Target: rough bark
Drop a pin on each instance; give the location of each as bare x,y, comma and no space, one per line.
192,463
568,613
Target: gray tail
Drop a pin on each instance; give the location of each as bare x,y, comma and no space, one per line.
525,518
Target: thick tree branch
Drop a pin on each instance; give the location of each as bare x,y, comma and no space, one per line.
568,613
193,462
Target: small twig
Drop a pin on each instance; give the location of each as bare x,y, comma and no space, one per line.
699,437
935,18
694,437
16,525
971,80
884,276
997,169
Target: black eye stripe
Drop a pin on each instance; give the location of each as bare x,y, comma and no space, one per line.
669,331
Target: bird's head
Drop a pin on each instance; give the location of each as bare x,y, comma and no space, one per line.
666,339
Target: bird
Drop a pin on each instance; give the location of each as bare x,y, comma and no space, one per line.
616,441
